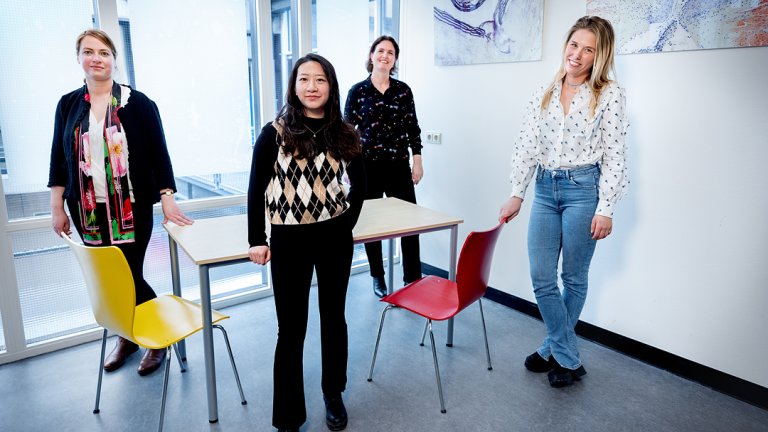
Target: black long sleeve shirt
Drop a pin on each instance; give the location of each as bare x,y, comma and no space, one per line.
387,122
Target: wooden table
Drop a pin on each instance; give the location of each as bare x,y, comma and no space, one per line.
224,241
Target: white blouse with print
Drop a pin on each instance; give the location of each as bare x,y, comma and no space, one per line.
96,146
555,141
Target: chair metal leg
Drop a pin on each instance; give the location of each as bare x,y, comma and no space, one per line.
177,350
485,334
378,338
101,370
437,369
232,361
424,335
165,387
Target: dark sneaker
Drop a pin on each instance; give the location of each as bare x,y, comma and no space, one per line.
535,363
562,377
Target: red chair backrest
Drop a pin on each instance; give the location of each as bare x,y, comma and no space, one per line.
474,265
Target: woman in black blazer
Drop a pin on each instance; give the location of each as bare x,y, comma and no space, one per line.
110,163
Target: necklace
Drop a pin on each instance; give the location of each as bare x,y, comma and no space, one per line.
315,132
572,85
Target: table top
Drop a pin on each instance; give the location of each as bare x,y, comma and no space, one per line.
222,239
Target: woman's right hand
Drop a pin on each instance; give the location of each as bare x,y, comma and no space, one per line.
510,209
60,221
259,254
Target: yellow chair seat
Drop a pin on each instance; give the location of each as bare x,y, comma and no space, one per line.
168,319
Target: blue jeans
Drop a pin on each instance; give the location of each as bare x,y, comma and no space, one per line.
561,218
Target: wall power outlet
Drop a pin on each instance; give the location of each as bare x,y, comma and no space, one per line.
433,137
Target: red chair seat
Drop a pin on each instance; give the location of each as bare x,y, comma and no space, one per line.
432,297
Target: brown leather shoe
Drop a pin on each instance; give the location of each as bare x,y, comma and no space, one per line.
153,359
123,349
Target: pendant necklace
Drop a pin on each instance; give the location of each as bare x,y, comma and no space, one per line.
314,133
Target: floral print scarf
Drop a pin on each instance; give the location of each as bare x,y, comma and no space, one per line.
119,209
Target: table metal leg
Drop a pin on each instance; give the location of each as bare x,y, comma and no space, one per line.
210,367
452,276
181,346
391,266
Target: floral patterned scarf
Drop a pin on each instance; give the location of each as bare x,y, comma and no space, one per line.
119,209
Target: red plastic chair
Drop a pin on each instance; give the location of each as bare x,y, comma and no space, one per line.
438,299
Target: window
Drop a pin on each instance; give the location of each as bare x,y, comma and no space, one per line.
202,84
26,147
26,123
200,81
206,88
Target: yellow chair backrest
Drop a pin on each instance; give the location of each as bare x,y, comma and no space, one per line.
110,286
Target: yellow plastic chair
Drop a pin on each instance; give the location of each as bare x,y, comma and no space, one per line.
157,324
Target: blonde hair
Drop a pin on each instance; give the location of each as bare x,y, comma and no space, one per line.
101,35
603,63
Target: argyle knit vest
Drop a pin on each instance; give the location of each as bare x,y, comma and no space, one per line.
303,191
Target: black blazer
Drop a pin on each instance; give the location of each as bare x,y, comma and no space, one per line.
149,164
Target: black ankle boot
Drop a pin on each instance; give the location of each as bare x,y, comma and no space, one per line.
335,412
379,286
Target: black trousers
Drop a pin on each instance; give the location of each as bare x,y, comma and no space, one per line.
392,178
134,252
325,247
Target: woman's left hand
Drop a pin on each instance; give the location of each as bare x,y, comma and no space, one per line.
601,227
417,171
172,212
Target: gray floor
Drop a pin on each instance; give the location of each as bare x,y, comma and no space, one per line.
55,392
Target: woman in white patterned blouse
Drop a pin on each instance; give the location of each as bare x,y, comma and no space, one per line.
572,140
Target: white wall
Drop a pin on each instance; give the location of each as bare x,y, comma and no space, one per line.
686,267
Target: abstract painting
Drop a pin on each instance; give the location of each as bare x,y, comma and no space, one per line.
487,31
680,25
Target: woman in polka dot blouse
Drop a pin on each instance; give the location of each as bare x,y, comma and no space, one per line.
572,140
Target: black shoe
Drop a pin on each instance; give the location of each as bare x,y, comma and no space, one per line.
408,281
535,363
335,413
562,377
379,286
287,430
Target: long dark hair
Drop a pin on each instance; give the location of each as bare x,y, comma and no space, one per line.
338,137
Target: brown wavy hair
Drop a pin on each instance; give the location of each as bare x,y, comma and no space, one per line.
380,39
